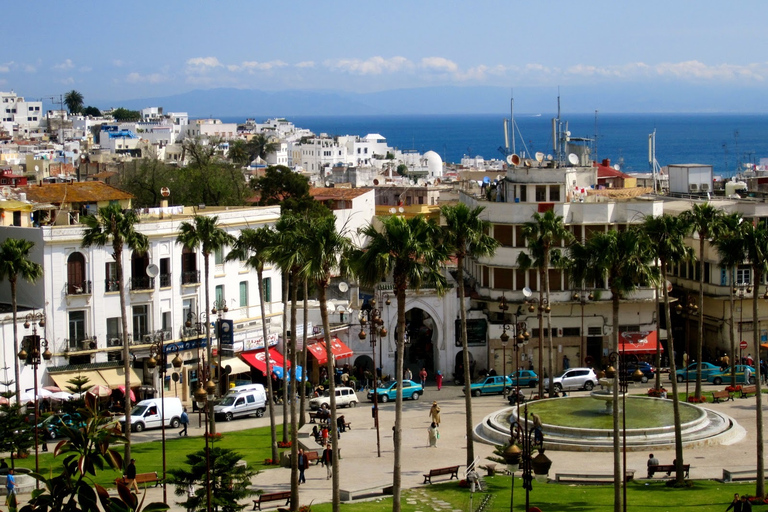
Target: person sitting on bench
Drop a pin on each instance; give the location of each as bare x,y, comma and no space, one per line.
652,461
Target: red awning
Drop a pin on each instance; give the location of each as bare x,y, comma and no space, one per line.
639,342
338,349
257,359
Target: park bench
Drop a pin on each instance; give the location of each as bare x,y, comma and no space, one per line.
748,390
272,496
312,416
312,456
585,478
368,490
450,470
141,478
741,475
668,468
721,395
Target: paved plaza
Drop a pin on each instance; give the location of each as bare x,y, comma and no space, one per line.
361,467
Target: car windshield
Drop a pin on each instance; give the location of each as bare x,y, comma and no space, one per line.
138,410
228,400
50,421
560,374
480,380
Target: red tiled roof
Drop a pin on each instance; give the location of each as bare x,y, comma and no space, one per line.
325,194
78,192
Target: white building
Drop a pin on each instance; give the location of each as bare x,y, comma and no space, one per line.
20,114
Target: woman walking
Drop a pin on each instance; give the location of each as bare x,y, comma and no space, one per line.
433,434
434,413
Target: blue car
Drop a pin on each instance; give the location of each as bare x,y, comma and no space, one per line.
488,385
725,376
389,392
524,378
689,373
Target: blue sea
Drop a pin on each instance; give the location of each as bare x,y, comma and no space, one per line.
724,141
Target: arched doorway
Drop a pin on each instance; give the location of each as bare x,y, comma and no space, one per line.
458,367
420,343
76,274
364,370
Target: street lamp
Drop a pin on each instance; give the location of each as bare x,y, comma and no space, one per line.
583,297
159,349
519,453
219,308
543,308
34,320
521,335
741,289
202,395
623,360
197,322
692,310
369,314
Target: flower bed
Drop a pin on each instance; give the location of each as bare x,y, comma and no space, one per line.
656,393
733,389
694,400
283,444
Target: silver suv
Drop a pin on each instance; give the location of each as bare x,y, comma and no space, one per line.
574,378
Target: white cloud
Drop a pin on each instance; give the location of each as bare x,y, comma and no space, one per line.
6,67
694,69
372,66
305,64
154,78
30,68
67,64
202,64
252,66
86,69
118,63
68,81
439,64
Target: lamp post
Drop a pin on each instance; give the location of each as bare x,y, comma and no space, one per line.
741,289
543,308
159,349
519,454
583,297
197,322
219,308
34,320
369,314
622,360
205,393
520,332
692,310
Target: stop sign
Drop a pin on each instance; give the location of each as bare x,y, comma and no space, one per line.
743,345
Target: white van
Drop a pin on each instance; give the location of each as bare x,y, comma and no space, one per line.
148,413
242,401
345,396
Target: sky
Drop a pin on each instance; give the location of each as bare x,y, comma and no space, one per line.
146,49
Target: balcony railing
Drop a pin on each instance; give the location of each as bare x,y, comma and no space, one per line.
78,288
142,283
190,277
110,285
165,280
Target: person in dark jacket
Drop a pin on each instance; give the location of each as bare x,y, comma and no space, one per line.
303,464
327,459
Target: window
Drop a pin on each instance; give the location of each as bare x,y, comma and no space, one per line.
140,322
110,273
743,274
219,293
218,256
554,194
114,337
165,272
541,193
523,193
243,294
76,328
189,272
267,283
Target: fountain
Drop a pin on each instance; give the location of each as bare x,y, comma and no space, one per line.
605,393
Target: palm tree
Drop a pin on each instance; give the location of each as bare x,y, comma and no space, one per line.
665,239
74,101
262,145
542,235
327,256
621,257
117,227
702,219
729,242
15,262
238,152
254,247
205,234
756,243
411,252
465,234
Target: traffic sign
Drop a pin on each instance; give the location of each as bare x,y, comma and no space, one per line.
743,344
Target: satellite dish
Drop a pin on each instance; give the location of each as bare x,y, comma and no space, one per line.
515,160
37,168
669,286
165,191
527,292
539,157
528,162
343,287
375,182
549,158
573,159
616,167
152,270
509,160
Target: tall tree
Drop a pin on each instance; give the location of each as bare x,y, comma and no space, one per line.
205,234
664,237
74,101
466,236
702,220
280,185
411,251
328,256
756,243
543,235
622,258
254,247
117,227
261,145
238,152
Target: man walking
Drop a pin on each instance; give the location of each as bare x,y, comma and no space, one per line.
184,420
328,460
10,486
130,476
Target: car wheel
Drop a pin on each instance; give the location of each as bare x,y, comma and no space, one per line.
644,379
260,412
751,380
384,399
558,388
506,391
717,381
679,378
52,434
476,392
415,396
533,384
589,385
175,423
138,427
353,404
228,416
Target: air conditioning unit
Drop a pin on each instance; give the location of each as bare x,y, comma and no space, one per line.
704,187
115,342
693,187
147,338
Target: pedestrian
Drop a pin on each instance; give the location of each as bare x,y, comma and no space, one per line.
747,374
328,461
341,424
3,464
433,434
685,359
439,380
10,487
324,434
735,504
303,464
130,476
423,377
184,420
190,495
434,413
566,362
746,506
652,461
408,375
750,361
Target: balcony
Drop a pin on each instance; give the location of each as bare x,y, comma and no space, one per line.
78,288
165,280
190,277
143,283
111,285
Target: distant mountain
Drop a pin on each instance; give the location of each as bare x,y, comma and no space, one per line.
655,97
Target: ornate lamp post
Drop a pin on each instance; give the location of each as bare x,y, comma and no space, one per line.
34,320
692,310
219,308
519,454
197,322
159,349
520,332
543,308
369,314
741,289
205,393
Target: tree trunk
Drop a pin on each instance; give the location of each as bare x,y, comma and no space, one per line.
550,366
700,337
117,250
285,356
617,476
733,328
323,291
16,362
270,391
303,359
658,337
208,342
398,433
679,473
292,384
467,375
760,484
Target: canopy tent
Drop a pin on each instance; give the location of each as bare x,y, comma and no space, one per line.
278,370
639,343
235,364
257,360
338,349
765,346
94,378
115,377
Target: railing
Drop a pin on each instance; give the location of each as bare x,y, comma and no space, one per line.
165,280
111,285
85,343
190,277
78,288
142,283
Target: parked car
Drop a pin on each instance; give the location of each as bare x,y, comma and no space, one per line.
573,378
345,397
389,392
149,413
489,385
525,378
242,401
689,373
725,376
53,424
649,371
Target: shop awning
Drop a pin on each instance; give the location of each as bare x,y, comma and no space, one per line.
644,342
256,359
338,349
62,379
115,377
236,365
